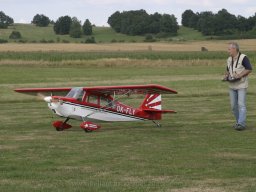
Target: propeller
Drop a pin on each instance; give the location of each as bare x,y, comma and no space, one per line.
40,96
48,99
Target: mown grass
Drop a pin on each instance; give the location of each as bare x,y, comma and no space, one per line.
194,150
186,34
58,56
151,55
31,33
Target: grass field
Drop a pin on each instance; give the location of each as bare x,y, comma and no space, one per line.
194,150
31,33
190,46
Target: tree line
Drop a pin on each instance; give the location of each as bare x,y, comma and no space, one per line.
63,26
221,23
72,26
139,22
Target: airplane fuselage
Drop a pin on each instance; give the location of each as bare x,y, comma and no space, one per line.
81,111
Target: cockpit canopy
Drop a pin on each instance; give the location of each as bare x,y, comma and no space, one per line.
76,93
79,94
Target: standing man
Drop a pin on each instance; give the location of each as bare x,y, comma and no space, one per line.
238,68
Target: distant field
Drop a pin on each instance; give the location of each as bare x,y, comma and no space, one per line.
194,150
220,45
31,33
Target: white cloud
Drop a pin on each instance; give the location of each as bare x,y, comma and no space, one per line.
199,4
22,21
213,3
104,2
251,11
239,1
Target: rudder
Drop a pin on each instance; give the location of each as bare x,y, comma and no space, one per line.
152,101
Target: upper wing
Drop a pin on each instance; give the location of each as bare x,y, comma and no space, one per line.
45,91
109,90
130,89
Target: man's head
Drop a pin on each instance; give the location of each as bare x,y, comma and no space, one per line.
233,49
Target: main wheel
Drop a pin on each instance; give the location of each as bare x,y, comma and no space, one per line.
159,125
59,129
87,130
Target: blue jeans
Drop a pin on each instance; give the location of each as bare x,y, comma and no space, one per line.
238,105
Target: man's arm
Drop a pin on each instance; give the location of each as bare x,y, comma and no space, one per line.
243,73
226,74
248,68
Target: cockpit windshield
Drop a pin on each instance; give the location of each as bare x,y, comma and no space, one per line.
76,93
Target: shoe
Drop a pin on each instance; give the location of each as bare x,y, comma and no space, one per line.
239,127
235,126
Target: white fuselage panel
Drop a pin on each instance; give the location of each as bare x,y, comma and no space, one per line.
76,111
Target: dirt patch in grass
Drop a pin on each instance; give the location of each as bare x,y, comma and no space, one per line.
198,189
218,185
8,147
240,156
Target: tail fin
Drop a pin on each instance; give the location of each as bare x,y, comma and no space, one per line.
152,101
152,105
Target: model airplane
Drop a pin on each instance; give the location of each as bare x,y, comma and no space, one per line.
101,103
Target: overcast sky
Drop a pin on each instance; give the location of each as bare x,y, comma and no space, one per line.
98,11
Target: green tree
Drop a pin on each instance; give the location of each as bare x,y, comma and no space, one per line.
5,20
251,22
154,23
87,27
75,28
62,25
115,21
169,24
41,20
139,22
242,24
224,23
206,23
15,35
190,19
186,18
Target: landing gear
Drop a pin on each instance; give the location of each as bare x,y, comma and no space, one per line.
86,125
59,129
60,126
88,130
89,126
66,120
157,123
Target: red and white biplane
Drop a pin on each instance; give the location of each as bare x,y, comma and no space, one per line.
101,103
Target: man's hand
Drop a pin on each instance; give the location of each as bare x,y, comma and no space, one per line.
242,74
238,76
225,78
